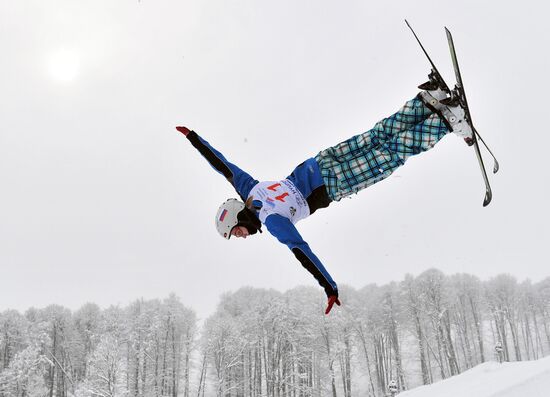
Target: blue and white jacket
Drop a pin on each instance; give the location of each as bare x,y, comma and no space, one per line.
279,204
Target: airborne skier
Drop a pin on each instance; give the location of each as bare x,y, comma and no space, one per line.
331,175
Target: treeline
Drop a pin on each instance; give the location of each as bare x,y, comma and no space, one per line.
141,350
266,343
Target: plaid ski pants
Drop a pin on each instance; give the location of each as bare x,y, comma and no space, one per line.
372,156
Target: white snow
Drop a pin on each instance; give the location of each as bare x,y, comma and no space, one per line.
491,379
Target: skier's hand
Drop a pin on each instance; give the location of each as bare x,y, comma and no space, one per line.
183,130
331,301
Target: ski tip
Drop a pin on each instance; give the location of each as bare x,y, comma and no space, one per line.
488,198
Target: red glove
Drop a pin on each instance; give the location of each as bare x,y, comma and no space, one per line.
331,301
183,130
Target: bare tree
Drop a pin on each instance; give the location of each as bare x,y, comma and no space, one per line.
502,298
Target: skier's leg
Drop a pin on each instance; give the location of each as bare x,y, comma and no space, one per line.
410,114
414,111
354,170
419,138
343,178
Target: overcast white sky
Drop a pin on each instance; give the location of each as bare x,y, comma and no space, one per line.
102,200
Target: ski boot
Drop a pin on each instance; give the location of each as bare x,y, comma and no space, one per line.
455,115
446,103
434,90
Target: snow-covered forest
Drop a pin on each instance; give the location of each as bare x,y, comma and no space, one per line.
267,343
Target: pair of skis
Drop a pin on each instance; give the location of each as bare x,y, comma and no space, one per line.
458,96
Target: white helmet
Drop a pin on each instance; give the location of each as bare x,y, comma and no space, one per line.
226,217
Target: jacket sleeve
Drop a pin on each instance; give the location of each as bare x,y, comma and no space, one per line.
241,181
286,233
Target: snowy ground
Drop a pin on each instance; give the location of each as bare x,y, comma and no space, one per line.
517,379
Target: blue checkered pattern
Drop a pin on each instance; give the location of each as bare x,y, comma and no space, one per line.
367,158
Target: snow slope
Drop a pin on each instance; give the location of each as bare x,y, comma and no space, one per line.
491,379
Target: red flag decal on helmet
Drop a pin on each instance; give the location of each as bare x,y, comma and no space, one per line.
222,216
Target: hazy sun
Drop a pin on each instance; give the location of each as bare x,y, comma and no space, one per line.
64,65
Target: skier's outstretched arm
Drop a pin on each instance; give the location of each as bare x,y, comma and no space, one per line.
241,181
286,233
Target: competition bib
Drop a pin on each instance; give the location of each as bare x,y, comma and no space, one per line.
281,198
